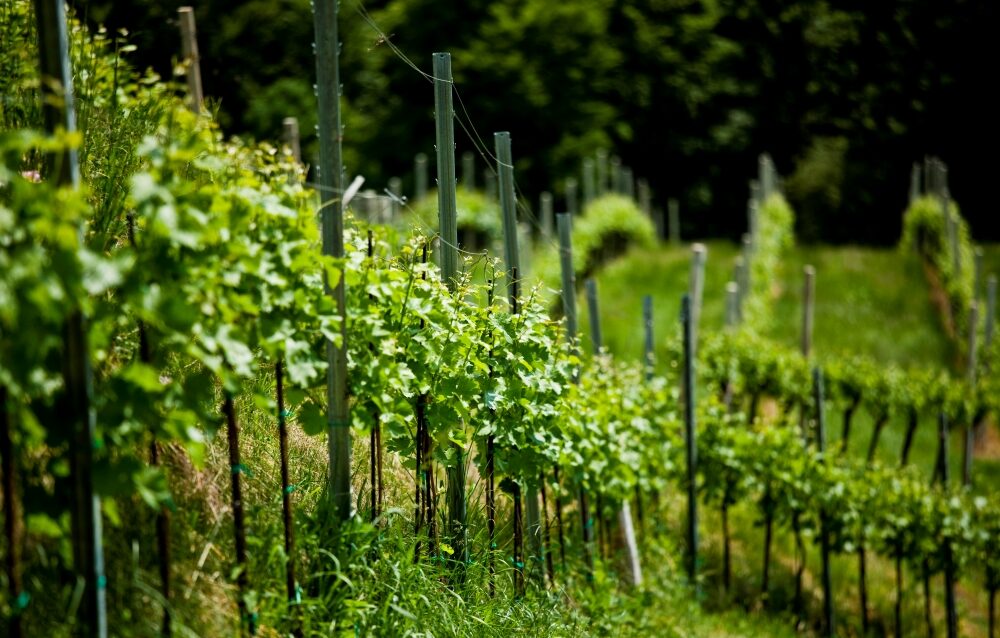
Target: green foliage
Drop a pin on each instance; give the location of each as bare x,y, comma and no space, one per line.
479,222
609,226
775,236
925,230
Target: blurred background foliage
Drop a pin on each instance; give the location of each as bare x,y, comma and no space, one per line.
845,95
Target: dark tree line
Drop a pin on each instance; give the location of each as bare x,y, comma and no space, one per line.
845,95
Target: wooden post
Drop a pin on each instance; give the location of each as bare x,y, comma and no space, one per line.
697,287
915,182
545,211
468,171
290,137
808,309
690,442
647,325
564,226
420,176
589,182
674,225
991,309
824,539
572,201
603,178
192,61
75,410
331,186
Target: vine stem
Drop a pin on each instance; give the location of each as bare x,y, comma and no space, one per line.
11,518
286,494
239,527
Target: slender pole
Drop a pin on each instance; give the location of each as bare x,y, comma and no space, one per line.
603,178
647,326
732,304
76,405
628,182
546,214
589,182
11,521
971,372
331,186
697,287
420,176
163,515
468,171
674,220
286,489
572,201
448,218
915,182
596,338
824,539
192,61
808,309
949,564
290,136
615,184
991,309
239,526
508,209
690,442
564,226
645,197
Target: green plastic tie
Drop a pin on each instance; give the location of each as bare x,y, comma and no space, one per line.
102,582
338,423
590,522
21,603
493,545
287,414
290,488
241,469
97,443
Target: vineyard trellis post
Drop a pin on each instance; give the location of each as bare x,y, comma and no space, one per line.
163,515
468,171
603,179
616,184
951,614
914,182
420,176
741,292
628,182
571,187
589,181
625,511
674,220
290,137
192,61
808,309
448,220
76,405
973,360
824,538
645,196
546,214
564,225
11,521
697,288
331,187
732,304
991,310
690,444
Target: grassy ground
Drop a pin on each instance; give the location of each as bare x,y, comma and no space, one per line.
868,300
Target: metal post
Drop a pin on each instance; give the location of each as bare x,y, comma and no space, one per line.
545,211
572,201
589,182
420,175
290,136
690,442
808,309
468,171
674,220
824,539
331,186
76,405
